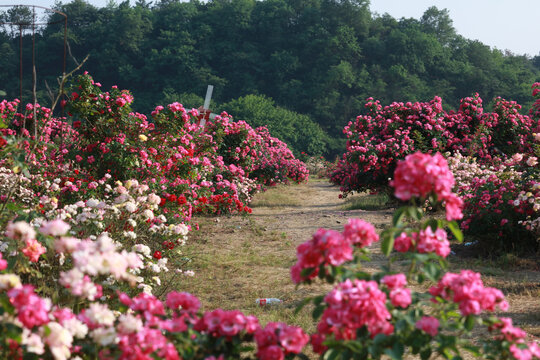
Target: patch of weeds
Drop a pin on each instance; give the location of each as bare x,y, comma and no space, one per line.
277,197
379,201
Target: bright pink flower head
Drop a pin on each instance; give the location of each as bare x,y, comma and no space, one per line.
428,324
182,301
3,263
293,339
32,310
402,243
394,281
353,304
433,242
468,291
400,297
317,341
210,321
232,323
148,304
360,233
420,175
520,353
327,247
266,337
272,352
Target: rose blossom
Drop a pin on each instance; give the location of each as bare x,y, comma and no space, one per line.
54,228
428,324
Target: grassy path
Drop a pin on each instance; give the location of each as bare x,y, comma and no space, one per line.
239,259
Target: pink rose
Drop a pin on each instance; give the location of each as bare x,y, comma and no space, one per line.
394,281
54,228
33,250
400,297
429,325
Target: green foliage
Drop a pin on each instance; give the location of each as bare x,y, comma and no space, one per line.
297,130
321,58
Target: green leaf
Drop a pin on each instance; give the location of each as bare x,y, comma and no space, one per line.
432,271
317,312
414,212
331,354
425,354
475,350
456,231
300,306
307,272
469,322
387,245
432,223
396,353
398,216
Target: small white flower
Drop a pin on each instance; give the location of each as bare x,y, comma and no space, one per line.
130,207
104,336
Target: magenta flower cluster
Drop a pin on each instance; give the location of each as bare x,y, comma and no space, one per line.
331,248
377,140
421,175
467,290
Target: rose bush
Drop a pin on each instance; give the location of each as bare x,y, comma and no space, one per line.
502,202
377,140
366,315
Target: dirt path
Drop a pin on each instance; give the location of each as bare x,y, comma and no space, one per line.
239,259
312,206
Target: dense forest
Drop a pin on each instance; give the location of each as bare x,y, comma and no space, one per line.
291,64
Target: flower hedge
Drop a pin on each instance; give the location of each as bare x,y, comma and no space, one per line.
377,140
493,154
365,316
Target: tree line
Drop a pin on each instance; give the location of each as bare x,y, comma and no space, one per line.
309,63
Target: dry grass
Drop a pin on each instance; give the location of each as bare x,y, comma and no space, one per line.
238,259
368,202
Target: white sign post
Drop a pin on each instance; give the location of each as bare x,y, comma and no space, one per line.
206,105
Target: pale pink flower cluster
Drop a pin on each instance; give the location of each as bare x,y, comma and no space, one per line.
277,340
421,175
352,305
92,258
55,227
17,185
330,247
468,291
22,231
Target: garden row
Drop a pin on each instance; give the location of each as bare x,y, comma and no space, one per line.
494,156
94,213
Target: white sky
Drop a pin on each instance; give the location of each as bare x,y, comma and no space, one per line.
503,24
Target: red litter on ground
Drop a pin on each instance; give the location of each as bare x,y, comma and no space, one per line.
268,301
